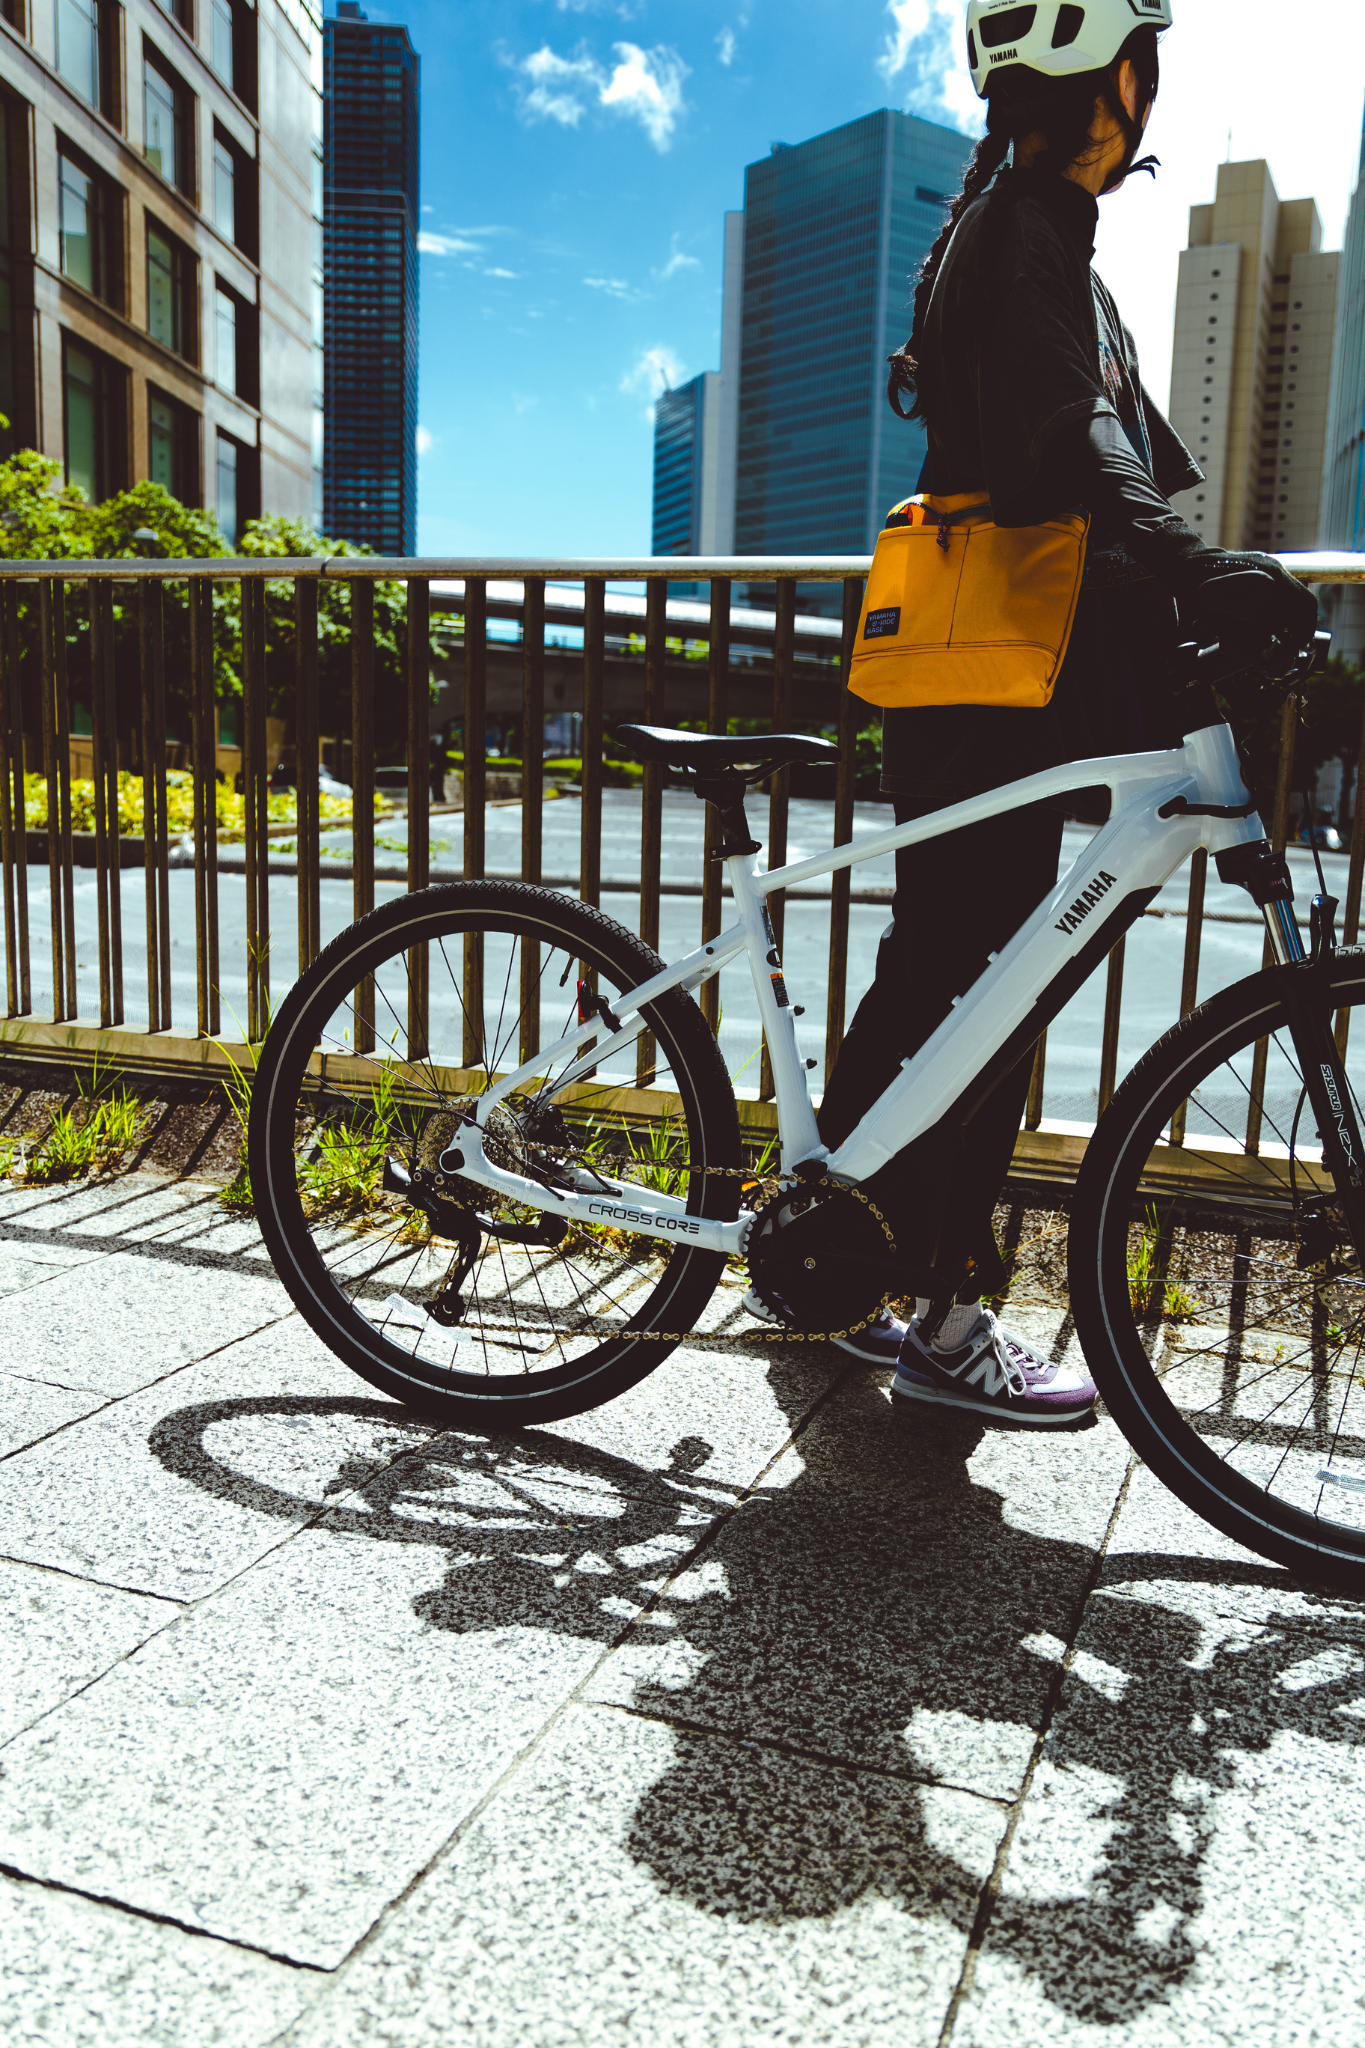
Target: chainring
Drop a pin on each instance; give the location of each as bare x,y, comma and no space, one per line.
821,1256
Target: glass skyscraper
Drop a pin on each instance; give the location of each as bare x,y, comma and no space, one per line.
1343,485
834,233
371,81
686,425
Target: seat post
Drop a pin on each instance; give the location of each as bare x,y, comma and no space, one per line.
726,792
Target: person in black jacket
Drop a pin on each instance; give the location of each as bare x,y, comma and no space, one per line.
1028,383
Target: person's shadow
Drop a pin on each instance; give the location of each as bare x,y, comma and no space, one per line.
852,1644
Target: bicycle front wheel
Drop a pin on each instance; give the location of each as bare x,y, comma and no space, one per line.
1216,1291
477,1310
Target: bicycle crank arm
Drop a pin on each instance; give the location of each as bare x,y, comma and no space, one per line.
589,1207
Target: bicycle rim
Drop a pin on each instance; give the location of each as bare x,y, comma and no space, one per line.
1217,1295
445,1294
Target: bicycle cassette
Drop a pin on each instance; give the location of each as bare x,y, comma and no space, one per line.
820,1256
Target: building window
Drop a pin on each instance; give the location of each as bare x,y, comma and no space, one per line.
225,340
89,247
227,489
224,191
181,11
170,292
223,52
166,124
172,432
78,47
90,420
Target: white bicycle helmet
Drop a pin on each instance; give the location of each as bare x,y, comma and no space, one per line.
1058,37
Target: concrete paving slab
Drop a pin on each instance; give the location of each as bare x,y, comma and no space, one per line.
636,1883
89,1976
894,1629
58,1634
175,1489
723,1415
28,1265
138,1316
1185,1864
102,1205
29,1411
280,1763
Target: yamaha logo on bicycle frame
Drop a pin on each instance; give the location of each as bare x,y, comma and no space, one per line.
1085,902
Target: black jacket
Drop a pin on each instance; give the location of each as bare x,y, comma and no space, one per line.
1032,392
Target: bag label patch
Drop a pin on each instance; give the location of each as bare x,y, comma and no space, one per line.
883,624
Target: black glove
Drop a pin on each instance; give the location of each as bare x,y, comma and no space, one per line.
1243,594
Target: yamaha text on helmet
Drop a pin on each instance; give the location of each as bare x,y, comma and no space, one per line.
1058,37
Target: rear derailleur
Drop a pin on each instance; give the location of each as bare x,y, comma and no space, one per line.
451,1203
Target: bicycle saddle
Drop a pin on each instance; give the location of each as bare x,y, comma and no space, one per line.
710,753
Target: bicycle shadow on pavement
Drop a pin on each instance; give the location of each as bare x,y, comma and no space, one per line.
855,1665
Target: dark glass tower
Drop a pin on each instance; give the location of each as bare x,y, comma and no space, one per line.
835,230
370,109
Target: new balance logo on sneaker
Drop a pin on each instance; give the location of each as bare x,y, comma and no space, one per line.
995,1373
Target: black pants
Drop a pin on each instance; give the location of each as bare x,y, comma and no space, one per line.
958,899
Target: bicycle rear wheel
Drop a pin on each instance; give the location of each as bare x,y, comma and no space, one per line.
441,1293
1217,1294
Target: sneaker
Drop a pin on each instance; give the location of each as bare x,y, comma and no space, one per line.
997,1374
879,1344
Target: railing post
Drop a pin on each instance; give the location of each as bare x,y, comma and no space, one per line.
155,837
1351,928
475,785
255,793
51,624
11,828
104,749
362,786
13,821
532,791
717,716
307,815
1109,1036
418,642
208,1000
1279,833
652,801
779,790
841,881
1189,978
594,657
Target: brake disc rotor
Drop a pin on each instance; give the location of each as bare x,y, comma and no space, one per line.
820,1256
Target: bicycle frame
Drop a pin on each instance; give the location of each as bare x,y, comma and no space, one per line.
1165,806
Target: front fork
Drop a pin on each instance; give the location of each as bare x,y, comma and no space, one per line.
1306,978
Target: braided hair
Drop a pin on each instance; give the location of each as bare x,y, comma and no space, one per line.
1022,102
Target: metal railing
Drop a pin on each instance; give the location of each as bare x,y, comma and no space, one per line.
44,590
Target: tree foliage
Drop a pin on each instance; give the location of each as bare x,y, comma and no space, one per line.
43,519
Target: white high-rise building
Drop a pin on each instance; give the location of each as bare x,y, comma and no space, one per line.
1251,370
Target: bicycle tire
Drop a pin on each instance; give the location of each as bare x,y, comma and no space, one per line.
544,919
1145,1209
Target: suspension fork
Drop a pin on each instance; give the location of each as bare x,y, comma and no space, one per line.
1306,979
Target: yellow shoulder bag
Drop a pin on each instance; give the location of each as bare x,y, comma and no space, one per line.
959,610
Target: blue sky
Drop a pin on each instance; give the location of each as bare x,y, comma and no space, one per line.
578,157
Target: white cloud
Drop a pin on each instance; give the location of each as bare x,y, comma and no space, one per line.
559,86
928,47
502,273
425,444
647,85
614,287
429,244
725,45
677,261
654,371
644,85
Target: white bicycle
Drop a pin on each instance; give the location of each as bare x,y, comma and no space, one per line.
492,1225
